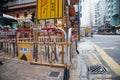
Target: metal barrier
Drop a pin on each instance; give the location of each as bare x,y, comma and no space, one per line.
45,46
8,43
25,44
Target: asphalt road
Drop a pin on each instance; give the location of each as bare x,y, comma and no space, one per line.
111,45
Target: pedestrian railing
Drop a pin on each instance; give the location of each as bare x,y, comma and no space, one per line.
8,43
45,46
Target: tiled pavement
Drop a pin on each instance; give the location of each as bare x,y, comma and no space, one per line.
14,70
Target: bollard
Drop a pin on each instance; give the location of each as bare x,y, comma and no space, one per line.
66,74
1,63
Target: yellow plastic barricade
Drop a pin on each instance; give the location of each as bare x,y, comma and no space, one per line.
24,51
24,44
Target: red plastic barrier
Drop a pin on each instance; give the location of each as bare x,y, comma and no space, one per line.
24,29
48,29
53,30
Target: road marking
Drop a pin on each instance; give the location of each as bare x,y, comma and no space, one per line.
93,59
111,48
97,59
111,63
106,76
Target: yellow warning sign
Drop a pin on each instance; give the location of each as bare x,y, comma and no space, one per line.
43,2
47,9
24,51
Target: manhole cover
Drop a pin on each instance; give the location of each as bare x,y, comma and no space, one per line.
54,74
97,69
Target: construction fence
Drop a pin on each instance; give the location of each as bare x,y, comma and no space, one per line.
44,46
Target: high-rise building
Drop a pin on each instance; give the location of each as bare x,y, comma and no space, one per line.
114,12
100,13
96,21
102,16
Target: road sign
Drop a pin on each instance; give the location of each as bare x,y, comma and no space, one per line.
48,9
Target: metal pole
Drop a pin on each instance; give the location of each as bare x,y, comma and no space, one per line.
79,20
67,17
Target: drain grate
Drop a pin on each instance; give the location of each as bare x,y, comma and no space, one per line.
97,69
54,74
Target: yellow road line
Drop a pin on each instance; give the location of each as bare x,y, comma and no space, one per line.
106,76
112,64
96,58
91,60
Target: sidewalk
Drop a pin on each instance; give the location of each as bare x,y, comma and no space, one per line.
92,67
80,67
14,70
89,66
83,63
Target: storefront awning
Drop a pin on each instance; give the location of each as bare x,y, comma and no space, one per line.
22,6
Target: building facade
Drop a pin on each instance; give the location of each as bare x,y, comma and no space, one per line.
96,16
21,10
114,12
100,13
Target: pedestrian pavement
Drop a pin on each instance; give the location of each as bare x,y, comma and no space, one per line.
15,70
89,66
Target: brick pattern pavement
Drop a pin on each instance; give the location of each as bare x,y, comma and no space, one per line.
14,70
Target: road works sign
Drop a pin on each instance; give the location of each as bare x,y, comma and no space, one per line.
47,9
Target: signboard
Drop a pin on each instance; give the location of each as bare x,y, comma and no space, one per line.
49,9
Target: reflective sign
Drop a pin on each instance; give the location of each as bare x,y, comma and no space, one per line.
47,9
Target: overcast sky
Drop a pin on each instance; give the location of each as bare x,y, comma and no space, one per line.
87,6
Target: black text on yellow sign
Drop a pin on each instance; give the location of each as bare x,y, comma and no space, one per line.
49,9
